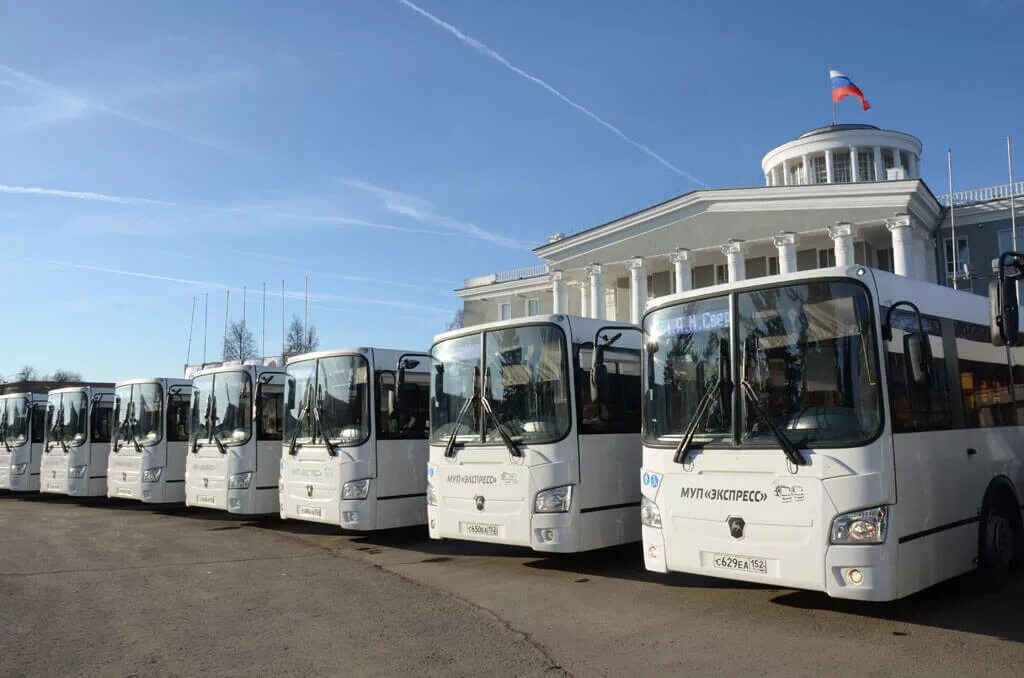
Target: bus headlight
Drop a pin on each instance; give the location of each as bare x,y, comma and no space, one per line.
861,527
650,514
152,475
555,500
431,495
18,469
77,471
240,481
357,489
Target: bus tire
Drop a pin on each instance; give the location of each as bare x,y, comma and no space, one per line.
999,538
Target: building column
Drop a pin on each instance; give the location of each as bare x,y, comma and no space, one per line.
931,264
560,299
808,177
785,172
902,245
637,289
879,168
829,175
913,171
918,253
842,241
853,165
767,178
737,266
684,269
785,242
596,274
584,298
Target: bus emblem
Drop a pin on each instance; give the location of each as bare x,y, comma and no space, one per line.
479,502
736,526
309,490
124,476
206,482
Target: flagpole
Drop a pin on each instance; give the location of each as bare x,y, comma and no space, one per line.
1013,210
952,216
834,120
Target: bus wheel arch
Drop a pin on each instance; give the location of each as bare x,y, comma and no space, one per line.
1000,529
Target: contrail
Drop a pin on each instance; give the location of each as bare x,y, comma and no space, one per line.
81,195
488,52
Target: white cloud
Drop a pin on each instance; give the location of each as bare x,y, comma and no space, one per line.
361,223
490,53
81,195
422,211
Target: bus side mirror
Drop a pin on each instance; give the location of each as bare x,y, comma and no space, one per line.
600,382
918,352
1004,313
290,405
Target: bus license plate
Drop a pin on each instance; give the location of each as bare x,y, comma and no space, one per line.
206,499
311,511
740,563
124,492
481,529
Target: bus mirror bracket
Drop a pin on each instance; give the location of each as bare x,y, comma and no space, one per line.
917,349
1004,311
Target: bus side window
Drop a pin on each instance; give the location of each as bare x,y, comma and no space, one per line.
270,413
178,416
621,414
415,394
102,421
916,408
985,383
38,423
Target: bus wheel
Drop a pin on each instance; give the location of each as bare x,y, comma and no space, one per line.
999,542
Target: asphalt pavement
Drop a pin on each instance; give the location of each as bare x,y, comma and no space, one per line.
115,588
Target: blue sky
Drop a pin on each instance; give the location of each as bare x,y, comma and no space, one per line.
153,152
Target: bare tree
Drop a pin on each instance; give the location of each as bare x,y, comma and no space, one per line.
27,373
62,376
297,341
239,344
458,322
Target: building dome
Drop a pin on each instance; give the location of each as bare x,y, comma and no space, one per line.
840,154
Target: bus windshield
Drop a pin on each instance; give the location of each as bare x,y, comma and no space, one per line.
342,399
66,418
222,407
524,379
301,385
806,352
14,420
139,413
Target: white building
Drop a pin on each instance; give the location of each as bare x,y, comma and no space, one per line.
844,193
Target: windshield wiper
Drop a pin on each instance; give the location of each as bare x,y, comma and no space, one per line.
449,449
785,443
293,444
510,443
710,395
318,417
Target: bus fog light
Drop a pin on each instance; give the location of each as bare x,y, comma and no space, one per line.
650,514
357,489
855,576
152,475
652,552
431,495
548,535
433,524
861,527
349,516
555,500
77,471
19,469
234,503
240,481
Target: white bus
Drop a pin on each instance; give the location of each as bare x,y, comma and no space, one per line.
22,435
355,449
147,455
843,430
534,434
78,431
236,430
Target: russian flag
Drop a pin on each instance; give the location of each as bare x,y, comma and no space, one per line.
843,87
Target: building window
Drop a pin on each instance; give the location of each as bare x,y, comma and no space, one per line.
887,158
885,260
773,265
721,274
1006,240
796,174
841,167
826,258
963,256
532,307
863,253
866,165
506,311
820,170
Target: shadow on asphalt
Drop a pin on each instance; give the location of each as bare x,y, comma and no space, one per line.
960,604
